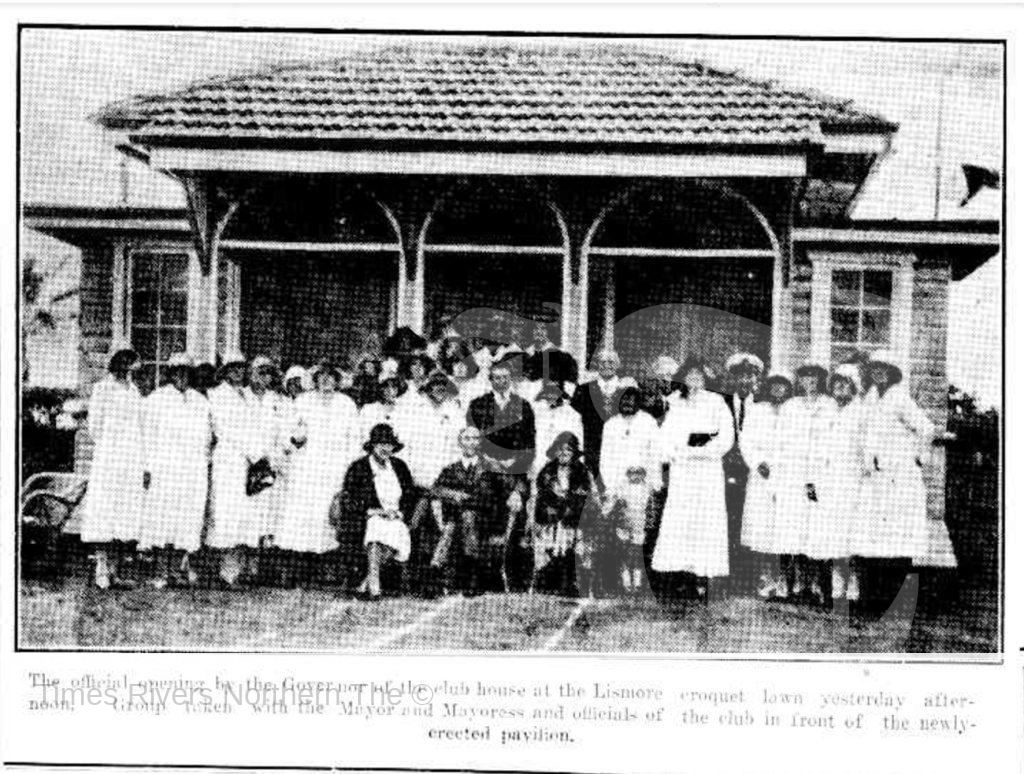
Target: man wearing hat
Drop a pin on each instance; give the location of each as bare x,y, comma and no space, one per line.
744,370
176,434
544,362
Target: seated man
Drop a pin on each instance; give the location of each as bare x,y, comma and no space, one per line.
463,525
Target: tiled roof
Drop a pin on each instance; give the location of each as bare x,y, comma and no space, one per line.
491,93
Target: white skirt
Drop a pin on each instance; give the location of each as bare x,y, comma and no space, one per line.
694,534
389,532
893,518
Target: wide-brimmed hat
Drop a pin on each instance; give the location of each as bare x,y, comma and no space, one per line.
325,367
180,360
232,357
260,362
885,357
563,438
850,372
778,376
811,369
665,366
300,373
439,379
744,360
382,433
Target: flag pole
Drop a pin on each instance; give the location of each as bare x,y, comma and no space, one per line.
938,144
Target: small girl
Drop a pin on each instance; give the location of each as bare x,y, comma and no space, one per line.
630,507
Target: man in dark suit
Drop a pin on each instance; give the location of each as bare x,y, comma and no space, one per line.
596,401
544,362
744,378
508,437
459,520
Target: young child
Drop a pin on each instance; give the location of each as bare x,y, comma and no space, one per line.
630,506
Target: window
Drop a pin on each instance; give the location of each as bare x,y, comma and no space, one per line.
862,311
158,310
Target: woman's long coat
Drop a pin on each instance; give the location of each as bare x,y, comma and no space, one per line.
694,534
897,438
177,435
113,502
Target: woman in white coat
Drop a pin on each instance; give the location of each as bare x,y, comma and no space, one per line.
762,444
897,444
801,528
112,511
552,416
698,431
630,440
842,479
430,427
237,525
177,436
326,437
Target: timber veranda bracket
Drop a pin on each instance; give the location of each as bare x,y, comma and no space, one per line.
210,208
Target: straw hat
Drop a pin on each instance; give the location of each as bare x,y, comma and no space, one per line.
742,360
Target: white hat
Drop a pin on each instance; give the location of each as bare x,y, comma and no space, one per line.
849,371
665,366
744,358
232,357
180,360
296,372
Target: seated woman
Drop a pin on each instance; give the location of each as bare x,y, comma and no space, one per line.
565,488
371,509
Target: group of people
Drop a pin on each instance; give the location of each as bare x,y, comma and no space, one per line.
458,466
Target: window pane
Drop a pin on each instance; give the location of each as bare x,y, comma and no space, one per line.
875,326
144,342
172,340
844,325
846,287
173,309
877,288
174,274
145,271
144,307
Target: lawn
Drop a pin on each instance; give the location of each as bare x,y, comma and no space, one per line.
72,615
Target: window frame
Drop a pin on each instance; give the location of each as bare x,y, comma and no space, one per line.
824,264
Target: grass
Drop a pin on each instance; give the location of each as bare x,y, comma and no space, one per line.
73,615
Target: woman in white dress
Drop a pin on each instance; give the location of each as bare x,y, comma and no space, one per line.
761,443
629,440
801,528
430,428
552,416
698,431
271,429
177,435
843,478
237,526
893,523
112,511
326,436
385,409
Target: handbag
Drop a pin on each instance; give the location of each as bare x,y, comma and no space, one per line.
259,476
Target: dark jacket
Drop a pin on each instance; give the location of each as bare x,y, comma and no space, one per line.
487,491
594,410
553,365
358,495
508,433
735,466
564,508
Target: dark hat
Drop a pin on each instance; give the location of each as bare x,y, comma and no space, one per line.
382,433
812,369
325,367
549,389
563,438
439,379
